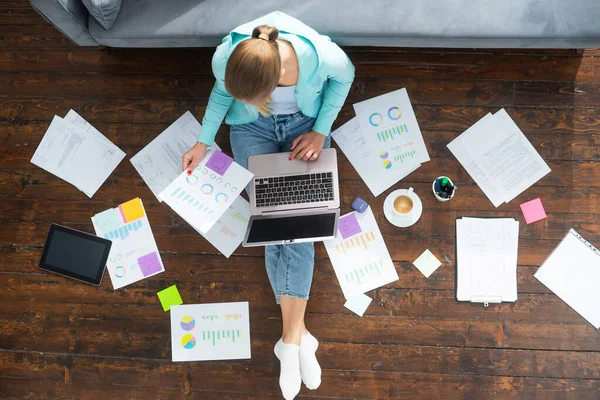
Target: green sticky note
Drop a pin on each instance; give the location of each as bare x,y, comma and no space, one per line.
169,297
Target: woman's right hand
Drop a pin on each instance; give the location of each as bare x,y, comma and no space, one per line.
192,158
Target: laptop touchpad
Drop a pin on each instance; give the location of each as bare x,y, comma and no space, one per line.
285,166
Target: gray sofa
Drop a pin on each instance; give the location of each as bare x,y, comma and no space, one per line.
404,23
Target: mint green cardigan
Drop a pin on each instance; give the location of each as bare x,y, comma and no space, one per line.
326,74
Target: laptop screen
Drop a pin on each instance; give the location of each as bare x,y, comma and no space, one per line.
291,227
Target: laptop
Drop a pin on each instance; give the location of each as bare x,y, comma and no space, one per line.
292,201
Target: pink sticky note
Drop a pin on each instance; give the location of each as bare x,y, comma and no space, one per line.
149,264
219,162
348,226
533,211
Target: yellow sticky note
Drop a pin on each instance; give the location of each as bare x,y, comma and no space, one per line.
132,210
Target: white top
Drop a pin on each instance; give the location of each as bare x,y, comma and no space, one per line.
283,100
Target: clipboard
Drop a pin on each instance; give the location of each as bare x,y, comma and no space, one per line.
486,297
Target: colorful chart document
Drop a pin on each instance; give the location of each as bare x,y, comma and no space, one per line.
228,232
76,152
204,196
134,255
217,331
366,158
360,258
159,163
384,143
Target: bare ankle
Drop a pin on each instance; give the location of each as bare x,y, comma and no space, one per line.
292,337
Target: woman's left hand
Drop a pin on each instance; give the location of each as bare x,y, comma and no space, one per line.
307,146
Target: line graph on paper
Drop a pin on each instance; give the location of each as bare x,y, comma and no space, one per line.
364,240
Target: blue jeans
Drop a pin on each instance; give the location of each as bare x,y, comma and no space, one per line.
289,266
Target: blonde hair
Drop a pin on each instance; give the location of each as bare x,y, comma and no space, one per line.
254,68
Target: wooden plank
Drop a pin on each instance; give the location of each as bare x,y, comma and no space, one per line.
24,260
116,372
33,36
562,94
499,93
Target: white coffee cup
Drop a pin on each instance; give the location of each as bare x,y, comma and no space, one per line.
403,207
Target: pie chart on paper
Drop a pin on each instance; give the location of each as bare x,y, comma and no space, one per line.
188,323
188,341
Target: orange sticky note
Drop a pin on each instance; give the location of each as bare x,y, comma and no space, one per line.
132,210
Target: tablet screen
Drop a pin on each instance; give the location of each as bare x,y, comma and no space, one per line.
76,254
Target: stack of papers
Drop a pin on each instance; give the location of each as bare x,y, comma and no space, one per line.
133,255
359,255
159,164
499,158
78,153
383,142
572,272
204,196
486,259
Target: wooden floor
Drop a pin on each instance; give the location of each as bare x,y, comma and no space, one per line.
63,340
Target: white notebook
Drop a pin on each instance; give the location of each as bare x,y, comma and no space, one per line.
486,259
572,272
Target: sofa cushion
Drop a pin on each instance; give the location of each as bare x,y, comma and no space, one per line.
423,23
68,16
104,11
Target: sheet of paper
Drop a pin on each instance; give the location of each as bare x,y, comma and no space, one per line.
228,232
169,297
76,155
368,158
217,331
458,148
505,155
427,263
487,250
533,211
134,255
204,196
159,163
362,261
74,118
572,272
358,304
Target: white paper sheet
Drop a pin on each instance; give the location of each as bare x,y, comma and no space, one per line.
134,255
487,250
358,304
229,231
503,155
572,272
360,258
204,196
76,154
159,163
458,148
217,331
427,263
365,157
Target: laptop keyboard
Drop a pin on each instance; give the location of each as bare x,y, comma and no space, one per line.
294,189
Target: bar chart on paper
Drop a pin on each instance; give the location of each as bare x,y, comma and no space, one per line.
123,231
213,331
392,133
365,272
362,240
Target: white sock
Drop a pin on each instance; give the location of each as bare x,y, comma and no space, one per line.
310,370
289,378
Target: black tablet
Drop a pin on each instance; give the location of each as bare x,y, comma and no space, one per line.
75,254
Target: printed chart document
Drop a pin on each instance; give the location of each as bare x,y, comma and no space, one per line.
216,331
228,232
572,272
76,152
384,143
486,263
203,197
365,156
499,157
159,163
359,256
134,255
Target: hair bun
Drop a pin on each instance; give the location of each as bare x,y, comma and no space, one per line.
266,32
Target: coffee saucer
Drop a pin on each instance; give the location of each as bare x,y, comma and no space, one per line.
408,219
